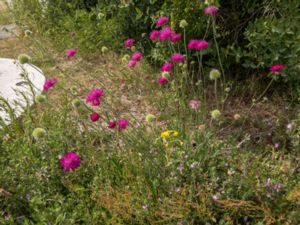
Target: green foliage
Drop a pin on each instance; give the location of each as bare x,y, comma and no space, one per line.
274,39
251,34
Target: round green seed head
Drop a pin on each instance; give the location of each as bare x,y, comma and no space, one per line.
125,58
228,89
39,133
183,24
76,103
214,74
40,98
23,58
150,118
133,48
215,114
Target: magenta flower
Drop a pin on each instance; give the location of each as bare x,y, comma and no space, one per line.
137,56
211,10
177,57
199,45
131,63
276,68
193,44
123,124
94,96
94,117
175,37
112,124
194,104
162,21
129,42
162,80
49,83
71,52
154,35
70,161
96,102
166,34
202,44
166,67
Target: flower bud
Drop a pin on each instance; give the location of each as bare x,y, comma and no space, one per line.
23,58
150,118
40,98
39,133
76,103
214,74
183,24
215,114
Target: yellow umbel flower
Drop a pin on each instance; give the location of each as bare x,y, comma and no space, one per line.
165,134
169,133
175,134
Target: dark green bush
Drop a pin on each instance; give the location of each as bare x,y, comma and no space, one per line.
274,39
252,34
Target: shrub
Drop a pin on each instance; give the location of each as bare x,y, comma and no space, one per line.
274,39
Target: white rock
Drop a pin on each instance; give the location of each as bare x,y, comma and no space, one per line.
14,80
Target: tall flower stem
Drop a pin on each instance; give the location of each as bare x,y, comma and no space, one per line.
216,91
218,50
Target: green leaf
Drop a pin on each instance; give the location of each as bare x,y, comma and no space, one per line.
139,13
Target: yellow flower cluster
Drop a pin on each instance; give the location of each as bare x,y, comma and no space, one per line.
169,133
169,138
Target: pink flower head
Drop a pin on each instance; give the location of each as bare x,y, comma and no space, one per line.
94,117
129,42
49,83
289,126
123,124
96,102
166,34
177,57
276,68
94,96
166,67
215,198
162,80
112,124
137,56
71,52
202,44
194,104
162,21
175,37
131,63
70,161
154,35
195,44
211,10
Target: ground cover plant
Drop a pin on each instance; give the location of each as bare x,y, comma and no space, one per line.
114,139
